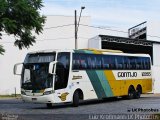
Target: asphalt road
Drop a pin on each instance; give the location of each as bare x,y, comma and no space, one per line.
89,110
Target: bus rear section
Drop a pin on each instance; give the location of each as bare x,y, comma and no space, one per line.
115,74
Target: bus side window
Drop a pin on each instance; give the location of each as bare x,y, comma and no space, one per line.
76,61
136,65
125,63
139,63
83,62
89,62
142,66
105,64
112,62
116,62
147,63
119,62
98,61
93,63
143,63
132,63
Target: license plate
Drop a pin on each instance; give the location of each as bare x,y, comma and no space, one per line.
34,99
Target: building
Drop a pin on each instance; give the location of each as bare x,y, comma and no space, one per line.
59,34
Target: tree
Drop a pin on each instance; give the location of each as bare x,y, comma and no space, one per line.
21,18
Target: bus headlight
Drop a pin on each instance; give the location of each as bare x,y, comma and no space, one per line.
23,93
48,92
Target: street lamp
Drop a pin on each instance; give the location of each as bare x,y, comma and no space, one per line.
76,26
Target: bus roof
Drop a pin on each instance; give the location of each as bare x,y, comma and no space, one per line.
92,51
103,50
110,52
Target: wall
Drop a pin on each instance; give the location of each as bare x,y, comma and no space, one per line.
153,30
95,42
51,38
63,38
156,68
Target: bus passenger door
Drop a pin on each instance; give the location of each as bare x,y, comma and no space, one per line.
62,75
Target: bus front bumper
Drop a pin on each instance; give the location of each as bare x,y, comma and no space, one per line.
38,99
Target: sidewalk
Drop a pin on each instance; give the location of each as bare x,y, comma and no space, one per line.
151,95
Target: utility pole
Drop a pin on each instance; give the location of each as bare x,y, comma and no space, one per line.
76,26
15,94
76,47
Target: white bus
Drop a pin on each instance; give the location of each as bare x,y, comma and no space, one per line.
58,76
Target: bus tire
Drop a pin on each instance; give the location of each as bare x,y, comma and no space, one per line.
49,105
138,92
76,99
131,92
138,95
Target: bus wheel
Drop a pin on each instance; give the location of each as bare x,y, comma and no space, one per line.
131,92
138,92
49,105
76,99
138,95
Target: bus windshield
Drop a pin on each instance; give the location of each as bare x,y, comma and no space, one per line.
35,75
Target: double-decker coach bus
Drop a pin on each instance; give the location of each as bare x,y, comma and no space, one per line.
72,75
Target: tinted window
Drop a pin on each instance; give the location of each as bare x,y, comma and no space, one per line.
91,62
63,58
98,62
126,63
146,63
62,70
139,63
119,62
83,61
109,62
112,62
132,63
105,63
40,58
76,61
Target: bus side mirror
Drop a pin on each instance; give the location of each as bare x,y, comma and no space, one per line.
51,67
17,71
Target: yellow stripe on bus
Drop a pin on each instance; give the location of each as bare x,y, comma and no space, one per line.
120,87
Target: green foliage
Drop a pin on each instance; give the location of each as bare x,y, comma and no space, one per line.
20,18
1,50
10,96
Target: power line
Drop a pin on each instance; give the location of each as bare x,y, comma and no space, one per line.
83,37
59,26
42,40
153,36
54,39
98,27
49,27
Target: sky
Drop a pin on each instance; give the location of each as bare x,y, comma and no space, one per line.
109,13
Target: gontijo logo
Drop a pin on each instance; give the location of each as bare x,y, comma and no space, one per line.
130,75
127,74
